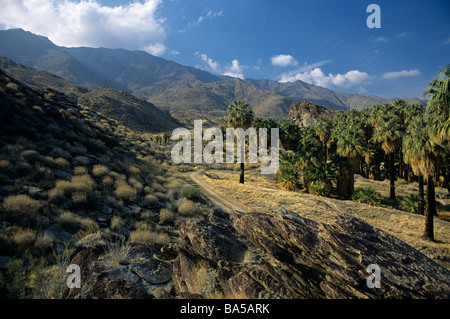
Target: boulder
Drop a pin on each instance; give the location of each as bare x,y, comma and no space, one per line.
282,255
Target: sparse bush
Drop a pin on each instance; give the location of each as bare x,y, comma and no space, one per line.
144,234
191,193
62,163
24,238
31,156
21,205
368,195
99,170
117,223
80,184
117,253
150,200
80,170
166,216
125,192
107,181
188,208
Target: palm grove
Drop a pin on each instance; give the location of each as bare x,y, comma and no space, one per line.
396,140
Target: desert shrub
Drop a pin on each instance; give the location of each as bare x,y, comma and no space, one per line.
117,223
56,195
137,185
31,156
117,253
80,184
166,216
133,170
21,205
191,193
80,170
145,236
107,181
24,238
188,208
125,192
289,178
150,200
99,170
410,203
5,165
368,195
62,163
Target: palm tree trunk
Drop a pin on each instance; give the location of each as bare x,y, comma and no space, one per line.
430,208
421,204
392,175
241,178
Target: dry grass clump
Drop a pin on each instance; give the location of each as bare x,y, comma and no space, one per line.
99,170
145,236
188,208
125,191
21,205
166,216
74,222
117,223
80,187
24,238
150,200
80,170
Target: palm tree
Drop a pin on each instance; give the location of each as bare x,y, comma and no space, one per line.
348,135
439,92
289,133
323,131
388,132
239,114
412,150
423,154
439,104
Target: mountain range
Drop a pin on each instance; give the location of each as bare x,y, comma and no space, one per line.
186,92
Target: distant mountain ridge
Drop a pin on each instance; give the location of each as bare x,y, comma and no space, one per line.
183,90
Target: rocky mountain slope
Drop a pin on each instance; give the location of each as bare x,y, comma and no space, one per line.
307,113
129,110
167,84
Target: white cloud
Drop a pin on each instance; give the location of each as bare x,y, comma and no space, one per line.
283,60
381,39
317,77
446,41
133,26
235,70
213,65
209,15
398,74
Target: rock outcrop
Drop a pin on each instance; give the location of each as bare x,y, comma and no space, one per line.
307,113
256,255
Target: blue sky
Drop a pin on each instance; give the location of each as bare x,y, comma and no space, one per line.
323,42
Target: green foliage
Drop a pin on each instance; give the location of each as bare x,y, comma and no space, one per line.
191,192
368,195
410,203
318,188
289,178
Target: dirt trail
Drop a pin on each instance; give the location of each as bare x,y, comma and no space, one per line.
213,196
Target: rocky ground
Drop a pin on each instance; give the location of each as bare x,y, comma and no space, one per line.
262,255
